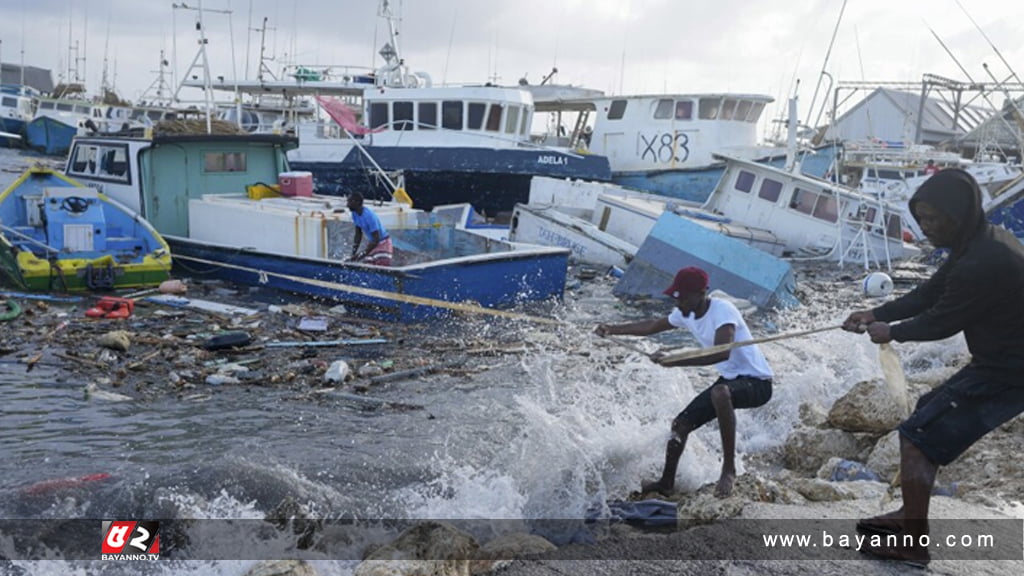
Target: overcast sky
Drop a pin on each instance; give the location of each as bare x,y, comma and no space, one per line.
618,46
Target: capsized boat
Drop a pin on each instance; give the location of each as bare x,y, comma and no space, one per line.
58,234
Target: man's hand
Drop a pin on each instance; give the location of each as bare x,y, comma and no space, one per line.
858,321
879,332
602,330
657,356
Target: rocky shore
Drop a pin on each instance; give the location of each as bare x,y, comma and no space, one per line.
838,464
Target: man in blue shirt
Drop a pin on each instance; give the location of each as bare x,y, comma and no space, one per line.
378,244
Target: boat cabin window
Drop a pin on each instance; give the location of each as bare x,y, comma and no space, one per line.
617,109
451,115
100,161
46,105
803,201
684,110
494,118
9,102
663,109
755,112
224,161
512,120
475,115
65,107
826,209
893,226
728,109
745,181
524,122
709,108
743,110
428,116
402,114
770,190
378,114
812,203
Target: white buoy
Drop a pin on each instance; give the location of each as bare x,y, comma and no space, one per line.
877,284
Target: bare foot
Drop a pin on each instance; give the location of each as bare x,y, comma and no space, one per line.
656,486
724,487
888,523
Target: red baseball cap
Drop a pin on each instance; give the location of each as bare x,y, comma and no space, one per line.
689,280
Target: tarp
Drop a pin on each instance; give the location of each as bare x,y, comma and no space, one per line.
343,115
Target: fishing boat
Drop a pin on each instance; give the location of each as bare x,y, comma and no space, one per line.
16,109
894,170
213,198
451,144
58,120
667,143
605,224
58,234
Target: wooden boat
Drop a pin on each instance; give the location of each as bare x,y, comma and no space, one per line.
199,191
57,234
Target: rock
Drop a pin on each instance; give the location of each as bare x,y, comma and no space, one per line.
338,371
885,456
807,449
703,507
119,340
502,550
867,407
427,549
812,415
818,490
281,568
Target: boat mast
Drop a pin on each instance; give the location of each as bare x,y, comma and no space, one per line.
201,55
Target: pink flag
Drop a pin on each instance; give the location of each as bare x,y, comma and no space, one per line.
344,116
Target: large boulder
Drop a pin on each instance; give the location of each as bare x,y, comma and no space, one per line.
807,449
502,550
885,456
868,407
426,549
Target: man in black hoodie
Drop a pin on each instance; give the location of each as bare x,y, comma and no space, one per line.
979,291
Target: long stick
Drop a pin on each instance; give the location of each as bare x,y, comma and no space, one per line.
677,355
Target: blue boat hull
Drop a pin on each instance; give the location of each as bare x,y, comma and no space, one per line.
492,180
49,136
697,185
735,267
496,281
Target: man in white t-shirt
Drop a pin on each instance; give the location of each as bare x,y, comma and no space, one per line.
745,378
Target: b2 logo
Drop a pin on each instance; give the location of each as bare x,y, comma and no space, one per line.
123,537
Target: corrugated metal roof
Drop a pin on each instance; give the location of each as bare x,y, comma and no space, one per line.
937,115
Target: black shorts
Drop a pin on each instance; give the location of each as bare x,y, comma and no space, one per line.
956,414
746,391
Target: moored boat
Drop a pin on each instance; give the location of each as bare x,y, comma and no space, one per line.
57,234
202,193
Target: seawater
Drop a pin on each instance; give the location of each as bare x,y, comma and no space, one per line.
550,433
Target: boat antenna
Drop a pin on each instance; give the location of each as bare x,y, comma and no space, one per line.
448,55
993,46
824,66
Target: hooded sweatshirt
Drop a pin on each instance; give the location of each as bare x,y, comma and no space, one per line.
979,290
